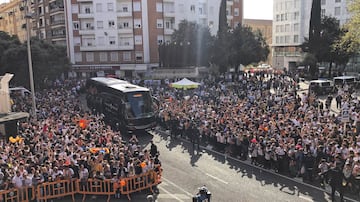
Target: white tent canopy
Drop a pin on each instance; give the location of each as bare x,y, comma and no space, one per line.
185,84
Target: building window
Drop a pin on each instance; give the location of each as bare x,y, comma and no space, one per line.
110,7
337,11
89,57
101,40
78,57
296,27
100,24
287,28
99,7
296,15
87,10
277,18
112,40
77,41
127,56
192,8
137,23
181,8
277,29
159,7
139,56
138,39
76,25
114,56
137,6
74,8
103,56
160,39
159,23
323,2
125,9
111,24
323,12
337,1
236,12
296,38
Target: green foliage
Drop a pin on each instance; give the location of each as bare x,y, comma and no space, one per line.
351,39
223,26
190,46
242,46
49,60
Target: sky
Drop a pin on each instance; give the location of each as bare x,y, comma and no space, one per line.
258,9
253,9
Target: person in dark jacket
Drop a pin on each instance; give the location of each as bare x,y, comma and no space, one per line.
336,177
153,149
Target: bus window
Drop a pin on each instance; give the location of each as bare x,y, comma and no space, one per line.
139,105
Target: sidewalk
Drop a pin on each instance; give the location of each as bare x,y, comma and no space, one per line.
299,180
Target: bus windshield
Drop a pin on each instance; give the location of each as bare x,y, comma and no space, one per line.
139,105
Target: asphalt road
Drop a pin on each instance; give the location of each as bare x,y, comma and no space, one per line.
227,179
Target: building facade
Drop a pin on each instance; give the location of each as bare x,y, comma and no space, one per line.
265,27
291,21
48,22
12,19
121,37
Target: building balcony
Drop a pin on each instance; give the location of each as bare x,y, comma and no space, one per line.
168,31
106,48
170,14
230,2
84,0
121,13
127,30
86,15
56,10
57,22
88,31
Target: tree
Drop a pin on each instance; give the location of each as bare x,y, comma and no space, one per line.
190,46
247,47
311,45
351,38
49,60
326,48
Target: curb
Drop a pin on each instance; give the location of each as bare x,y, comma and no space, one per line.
260,168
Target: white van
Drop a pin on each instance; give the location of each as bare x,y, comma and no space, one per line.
19,91
341,80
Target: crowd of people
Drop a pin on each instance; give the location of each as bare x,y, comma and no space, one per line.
267,119
56,146
261,117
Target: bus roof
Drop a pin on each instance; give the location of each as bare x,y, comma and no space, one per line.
108,81
118,84
345,77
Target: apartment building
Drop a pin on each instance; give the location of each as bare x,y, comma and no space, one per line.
265,27
48,21
12,19
121,37
291,21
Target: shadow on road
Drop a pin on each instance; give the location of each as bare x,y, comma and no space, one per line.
263,176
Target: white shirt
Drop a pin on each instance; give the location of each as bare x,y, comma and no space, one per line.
17,181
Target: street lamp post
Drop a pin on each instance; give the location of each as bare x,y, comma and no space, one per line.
31,74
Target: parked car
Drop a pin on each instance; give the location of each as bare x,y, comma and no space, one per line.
350,81
321,87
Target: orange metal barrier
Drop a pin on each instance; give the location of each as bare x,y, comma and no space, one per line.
15,195
57,189
95,187
138,183
63,188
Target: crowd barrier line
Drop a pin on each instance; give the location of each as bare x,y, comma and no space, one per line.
63,188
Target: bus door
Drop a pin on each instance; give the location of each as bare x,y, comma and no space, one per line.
111,107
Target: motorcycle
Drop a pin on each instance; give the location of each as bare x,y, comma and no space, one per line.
203,195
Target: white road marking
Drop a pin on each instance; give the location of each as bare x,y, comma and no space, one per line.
216,178
170,194
306,198
173,184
